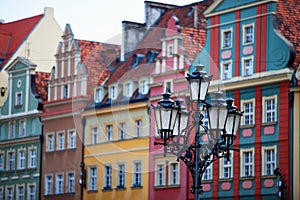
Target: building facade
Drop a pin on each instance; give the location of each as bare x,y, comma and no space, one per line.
252,62
78,64
21,132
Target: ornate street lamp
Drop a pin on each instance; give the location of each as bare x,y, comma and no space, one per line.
185,140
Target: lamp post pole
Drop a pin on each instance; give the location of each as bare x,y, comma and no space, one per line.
176,135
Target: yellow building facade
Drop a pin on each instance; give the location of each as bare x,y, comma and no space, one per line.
116,152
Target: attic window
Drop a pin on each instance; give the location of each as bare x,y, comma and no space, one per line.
170,50
151,55
98,95
137,59
191,12
113,92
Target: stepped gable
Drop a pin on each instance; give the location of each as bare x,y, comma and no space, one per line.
13,34
41,80
288,19
96,57
193,35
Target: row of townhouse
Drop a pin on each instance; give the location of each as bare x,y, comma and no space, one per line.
89,132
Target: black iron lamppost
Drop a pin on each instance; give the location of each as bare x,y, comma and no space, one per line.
184,139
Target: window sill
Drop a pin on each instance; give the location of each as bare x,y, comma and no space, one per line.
157,187
268,123
247,126
247,178
267,176
19,106
92,191
120,188
136,187
225,179
107,189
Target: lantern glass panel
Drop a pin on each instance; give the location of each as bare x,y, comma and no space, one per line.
217,117
181,123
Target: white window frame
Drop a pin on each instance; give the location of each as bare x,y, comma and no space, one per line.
224,72
246,114
109,132
20,195
59,183
31,195
22,128
11,165
160,174
66,91
107,177
228,165
50,142
121,175
128,87
122,130
70,182
72,139
137,174
48,184
94,135
98,95
167,83
170,49
265,163
144,87
245,42
139,127
113,92
22,158
243,164
208,173
246,67
174,175
12,130
19,99
93,178
32,163
265,111
9,195
61,141
224,45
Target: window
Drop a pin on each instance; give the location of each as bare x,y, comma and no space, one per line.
98,95
168,86
107,177
1,162
138,125
268,160
48,185
93,178
21,159
137,174
226,169
32,158
18,98
109,132
94,135
9,193
226,40
11,161
248,107
113,92
170,50
121,176
66,91
174,174
21,192
1,193
247,162
22,132
247,66
50,142
226,70
160,179
72,140
248,36
144,87
12,130
207,175
59,184
122,130
128,89
31,192
269,109
61,141
71,182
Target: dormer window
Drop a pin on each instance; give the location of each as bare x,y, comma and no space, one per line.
113,92
98,95
168,86
137,59
128,89
170,50
144,87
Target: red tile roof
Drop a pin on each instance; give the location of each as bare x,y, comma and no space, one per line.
13,34
288,19
41,83
96,57
193,40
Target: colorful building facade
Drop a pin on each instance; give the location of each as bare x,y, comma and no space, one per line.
21,132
